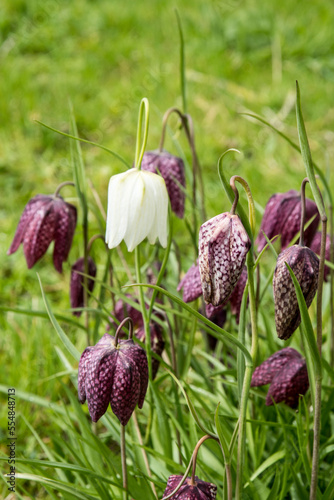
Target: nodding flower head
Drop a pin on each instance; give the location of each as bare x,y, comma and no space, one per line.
137,208
200,490
44,219
282,216
286,373
116,372
305,265
171,169
315,247
77,282
191,284
223,246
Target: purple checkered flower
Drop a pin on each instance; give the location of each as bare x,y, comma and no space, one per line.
191,284
305,265
116,372
200,490
77,282
286,373
44,219
172,170
315,246
282,216
223,246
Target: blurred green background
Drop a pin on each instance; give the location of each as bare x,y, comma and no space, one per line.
103,57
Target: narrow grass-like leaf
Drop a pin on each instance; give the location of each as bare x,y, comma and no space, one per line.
273,495
309,334
220,432
62,335
182,63
59,486
268,463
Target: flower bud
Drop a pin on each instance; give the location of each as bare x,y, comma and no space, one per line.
77,282
157,343
287,374
223,246
282,216
113,374
199,491
305,265
124,309
44,219
172,170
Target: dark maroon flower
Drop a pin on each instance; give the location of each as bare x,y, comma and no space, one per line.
223,246
282,216
191,284
199,491
157,343
77,282
44,219
315,246
124,309
113,374
172,170
286,373
305,265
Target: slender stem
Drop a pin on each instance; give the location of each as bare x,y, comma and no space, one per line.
144,313
229,481
66,183
144,106
318,380
123,458
140,439
247,377
236,199
119,328
197,447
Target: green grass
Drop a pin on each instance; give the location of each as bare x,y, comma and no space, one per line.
103,57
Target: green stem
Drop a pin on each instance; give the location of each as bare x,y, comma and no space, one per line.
318,380
247,377
123,458
140,439
144,313
140,146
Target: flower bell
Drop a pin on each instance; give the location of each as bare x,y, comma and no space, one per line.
286,373
282,216
305,265
191,284
200,490
116,372
223,246
137,208
315,246
171,169
44,219
77,282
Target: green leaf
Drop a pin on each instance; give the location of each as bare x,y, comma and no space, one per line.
220,432
62,335
268,463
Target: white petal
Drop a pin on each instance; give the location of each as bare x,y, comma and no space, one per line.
121,187
142,211
159,226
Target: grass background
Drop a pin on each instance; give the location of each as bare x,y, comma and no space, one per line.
104,56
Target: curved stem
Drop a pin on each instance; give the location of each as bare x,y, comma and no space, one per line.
164,124
144,107
94,238
66,183
197,447
251,206
123,458
119,328
236,193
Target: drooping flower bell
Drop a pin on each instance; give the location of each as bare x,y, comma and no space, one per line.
282,216
124,309
172,170
116,372
305,265
200,490
137,208
191,284
77,282
223,246
157,343
44,219
286,373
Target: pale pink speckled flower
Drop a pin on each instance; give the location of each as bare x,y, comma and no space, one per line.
191,284
223,246
44,219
